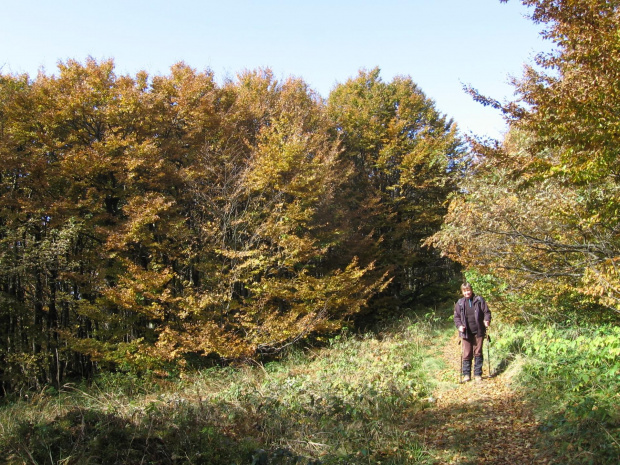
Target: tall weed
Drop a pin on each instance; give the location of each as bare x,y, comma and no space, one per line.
574,376
346,403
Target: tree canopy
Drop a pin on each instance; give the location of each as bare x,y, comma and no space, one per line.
151,221
537,218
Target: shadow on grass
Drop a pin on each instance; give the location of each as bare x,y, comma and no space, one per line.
474,432
91,436
207,433
509,355
503,364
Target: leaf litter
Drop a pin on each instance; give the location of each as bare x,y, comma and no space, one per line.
478,422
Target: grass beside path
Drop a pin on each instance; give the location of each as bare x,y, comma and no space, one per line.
390,398
348,402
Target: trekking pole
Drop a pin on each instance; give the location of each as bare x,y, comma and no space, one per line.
461,356
489,352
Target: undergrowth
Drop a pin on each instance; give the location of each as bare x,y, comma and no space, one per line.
572,376
346,403
349,402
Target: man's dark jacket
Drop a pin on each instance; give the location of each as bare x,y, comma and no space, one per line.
481,312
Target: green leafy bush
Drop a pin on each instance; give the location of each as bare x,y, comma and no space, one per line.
573,374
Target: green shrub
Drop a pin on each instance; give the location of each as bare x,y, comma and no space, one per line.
573,374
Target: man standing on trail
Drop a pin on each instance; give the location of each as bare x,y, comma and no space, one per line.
472,317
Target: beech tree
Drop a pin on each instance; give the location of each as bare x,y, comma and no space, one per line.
264,213
402,153
541,210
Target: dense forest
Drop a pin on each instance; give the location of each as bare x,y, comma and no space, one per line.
158,222
148,222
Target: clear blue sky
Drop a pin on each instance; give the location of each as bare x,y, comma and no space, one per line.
441,44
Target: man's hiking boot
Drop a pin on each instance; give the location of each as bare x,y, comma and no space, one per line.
466,378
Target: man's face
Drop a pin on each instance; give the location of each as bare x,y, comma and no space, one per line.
467,293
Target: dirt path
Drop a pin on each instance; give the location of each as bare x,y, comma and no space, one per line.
478,422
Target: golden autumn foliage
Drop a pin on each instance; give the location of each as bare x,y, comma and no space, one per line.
148,220
403,154
539,214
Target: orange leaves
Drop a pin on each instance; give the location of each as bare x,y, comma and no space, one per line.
143,215
603,281
573,105
142,291
279,157
206,337
282,310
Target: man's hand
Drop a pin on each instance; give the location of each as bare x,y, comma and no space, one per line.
487,323
462,329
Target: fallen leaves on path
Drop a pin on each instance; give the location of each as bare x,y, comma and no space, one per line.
482,422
